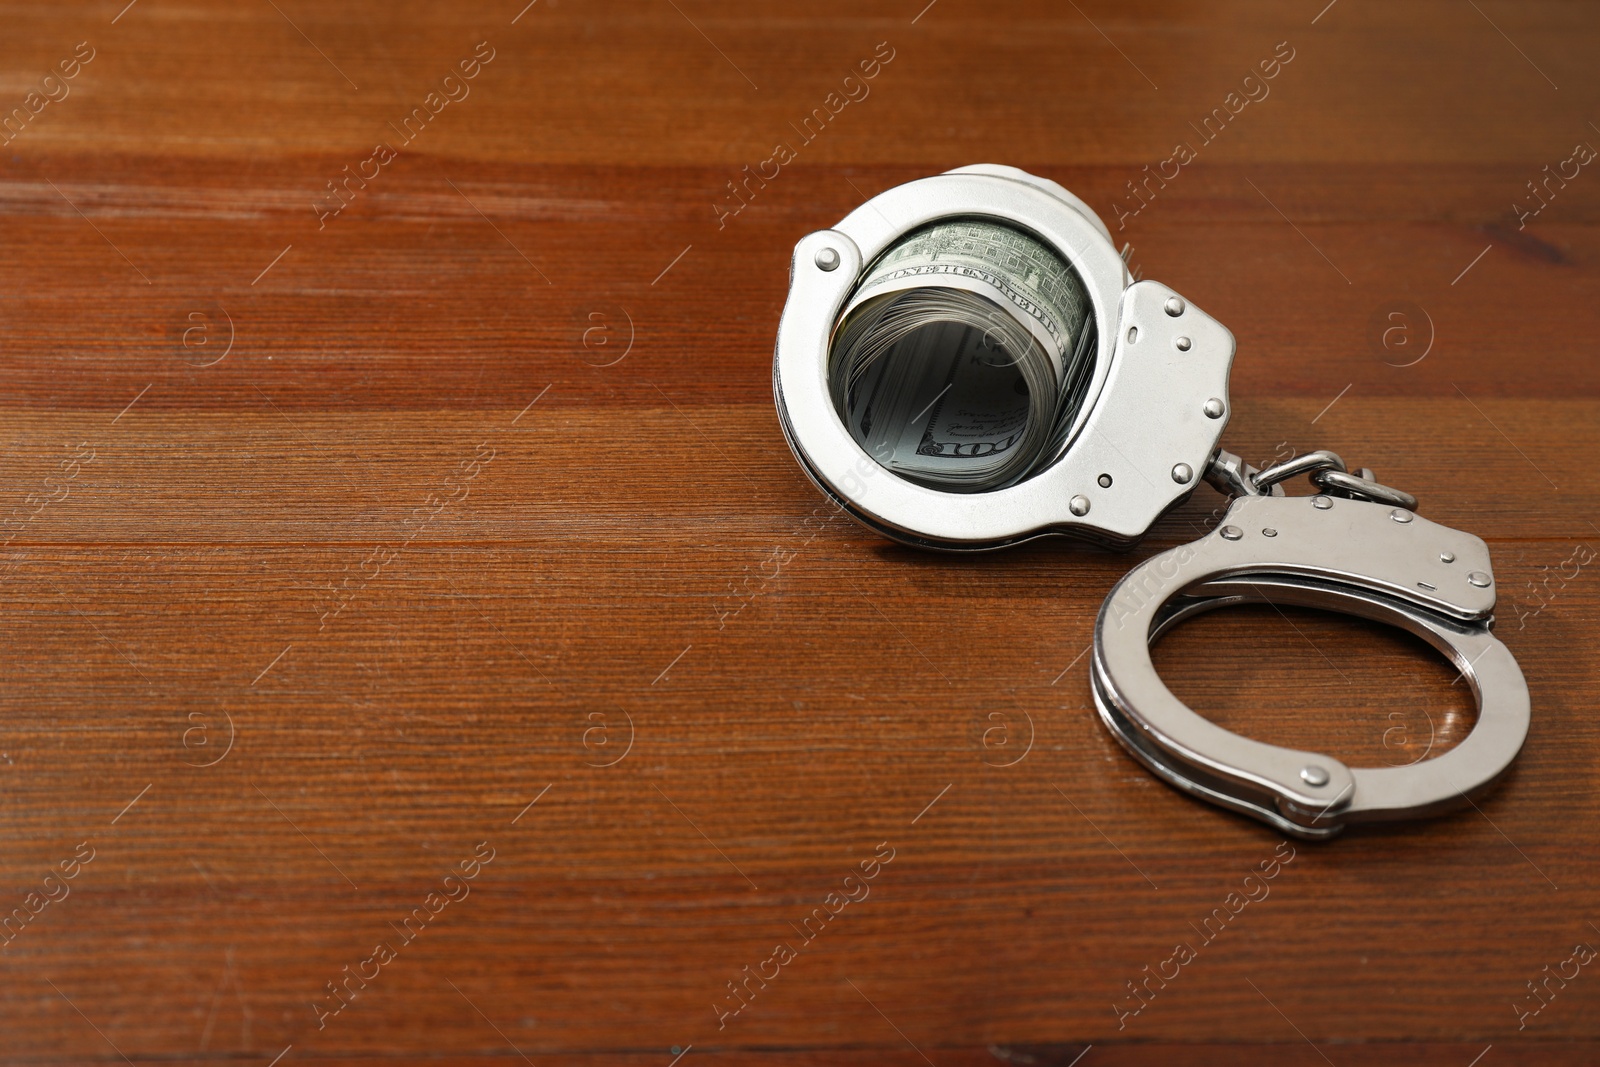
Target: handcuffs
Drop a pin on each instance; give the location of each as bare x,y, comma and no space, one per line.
1146,436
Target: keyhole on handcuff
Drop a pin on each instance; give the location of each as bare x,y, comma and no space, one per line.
1367,694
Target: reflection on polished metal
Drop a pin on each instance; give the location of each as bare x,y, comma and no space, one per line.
964,363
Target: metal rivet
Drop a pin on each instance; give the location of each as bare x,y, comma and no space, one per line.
1269,532
1213,408
1182,344
1313,775
1133,334
828,259
1321,503
1447,557
1174,306
1181,473
1231,533
1478,578
1105,481
1400,515
1078,505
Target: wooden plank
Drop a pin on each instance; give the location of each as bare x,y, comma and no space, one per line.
340,550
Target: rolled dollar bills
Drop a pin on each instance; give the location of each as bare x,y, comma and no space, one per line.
964,355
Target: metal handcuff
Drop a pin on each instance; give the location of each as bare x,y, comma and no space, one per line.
1146,435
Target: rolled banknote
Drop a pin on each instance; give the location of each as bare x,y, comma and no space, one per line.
963,356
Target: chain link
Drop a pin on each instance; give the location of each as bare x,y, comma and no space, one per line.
1328,472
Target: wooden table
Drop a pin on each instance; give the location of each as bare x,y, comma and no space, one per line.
391,481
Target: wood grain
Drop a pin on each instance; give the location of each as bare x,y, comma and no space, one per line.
482,529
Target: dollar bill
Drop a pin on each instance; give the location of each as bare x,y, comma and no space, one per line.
964,355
